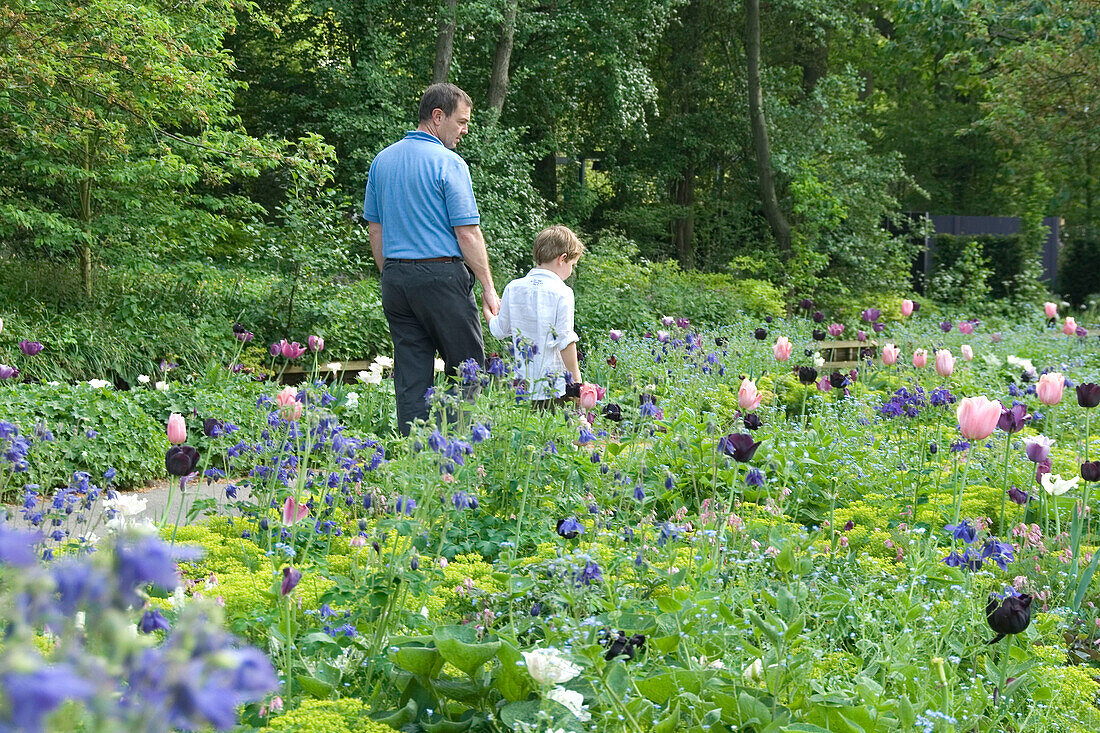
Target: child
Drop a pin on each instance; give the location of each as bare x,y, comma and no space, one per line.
536,312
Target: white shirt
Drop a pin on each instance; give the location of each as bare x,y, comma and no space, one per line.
536,311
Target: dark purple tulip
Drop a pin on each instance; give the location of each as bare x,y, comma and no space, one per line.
1013,419
212,427
807,375
1088,395
806,304
760,334
818,316
1081,332
30,348
291,576
1009,614
878,327
768,319
916,306
1018,496
871,314
1090,470
275,349
739,446
181,460
848,526
946,326
819,335
613,412
838,380
752,421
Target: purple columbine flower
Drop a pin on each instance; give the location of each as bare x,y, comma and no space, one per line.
755,477
469,371
30,348
405,505
639,493
589,574
999,552
34,695
570,528
152,621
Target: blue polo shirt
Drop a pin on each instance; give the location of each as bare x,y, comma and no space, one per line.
419,190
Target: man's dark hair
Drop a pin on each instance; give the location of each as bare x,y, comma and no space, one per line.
442,96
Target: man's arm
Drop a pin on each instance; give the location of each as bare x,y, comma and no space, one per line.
569,356
374,231
472,244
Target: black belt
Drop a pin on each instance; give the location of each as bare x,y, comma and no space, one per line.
426,259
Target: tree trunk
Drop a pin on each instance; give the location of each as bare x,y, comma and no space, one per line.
683,226
84,248
445,43
502,57
781,230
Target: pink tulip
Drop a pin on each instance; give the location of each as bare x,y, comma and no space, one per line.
1069,328
782,349
920,358
177,429
292,511
977,417
835,329
890,354
945,363
316,343
966,327
590,395
292,350
1051,309
287,400
906,308
748,397
358,541
824,384
967,352
1050,386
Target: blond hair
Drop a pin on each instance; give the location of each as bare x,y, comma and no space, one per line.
553,242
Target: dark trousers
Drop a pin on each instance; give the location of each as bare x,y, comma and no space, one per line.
430,308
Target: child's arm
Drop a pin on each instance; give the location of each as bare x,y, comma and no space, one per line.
500,325
569,356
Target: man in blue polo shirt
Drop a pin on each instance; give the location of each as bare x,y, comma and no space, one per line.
427,242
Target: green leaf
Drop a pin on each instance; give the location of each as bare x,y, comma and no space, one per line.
312,685
420,660
459,645
397,718
510,682
1085,581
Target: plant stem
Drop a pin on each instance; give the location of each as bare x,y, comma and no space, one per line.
1004,483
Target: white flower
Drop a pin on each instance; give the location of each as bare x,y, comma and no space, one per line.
819,361
383,362
161,386
333,366
573,701
755,671
1024,364
351,399
99,383
54,384
439,365
1055,485
369,377
549,667
127,505
143,379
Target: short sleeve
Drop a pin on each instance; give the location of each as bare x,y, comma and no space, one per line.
563,321
459,194
370,199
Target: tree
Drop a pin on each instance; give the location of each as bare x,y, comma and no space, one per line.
117,122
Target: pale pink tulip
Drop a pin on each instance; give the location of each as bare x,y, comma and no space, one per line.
1051,309
1069,328
966,327
907,308
589,396
287,400
293,511
177,429
967,352
920,358
945,363
1050,386
782,349
890,354
977,417
748,397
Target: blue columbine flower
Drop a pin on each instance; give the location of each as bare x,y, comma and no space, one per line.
639,493
479,432
17,546
570,528
754,477
669,531
152,621
586,436
963,531
999,552
589,574
34,695
468,371
405,505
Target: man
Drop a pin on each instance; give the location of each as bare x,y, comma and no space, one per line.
426,240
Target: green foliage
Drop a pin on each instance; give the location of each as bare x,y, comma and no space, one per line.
960,275
1078,264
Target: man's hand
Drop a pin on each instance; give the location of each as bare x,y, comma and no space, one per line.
490,304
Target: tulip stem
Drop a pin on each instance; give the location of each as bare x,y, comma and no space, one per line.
1004,486
1007,656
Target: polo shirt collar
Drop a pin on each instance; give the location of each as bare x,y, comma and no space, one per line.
542,272
421,135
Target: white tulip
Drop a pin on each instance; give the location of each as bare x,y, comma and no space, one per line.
573,702
439,365
369,377
1055,485
99,383
143,379
161,386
